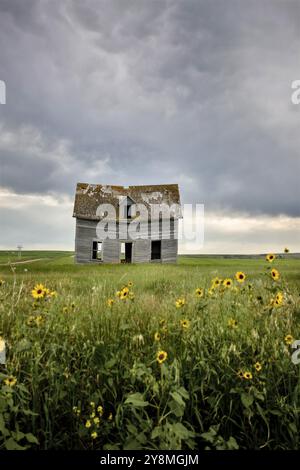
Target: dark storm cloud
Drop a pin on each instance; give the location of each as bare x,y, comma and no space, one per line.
134,92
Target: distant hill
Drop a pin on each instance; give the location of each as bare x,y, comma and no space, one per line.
243,256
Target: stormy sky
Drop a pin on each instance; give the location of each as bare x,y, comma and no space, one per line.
150,92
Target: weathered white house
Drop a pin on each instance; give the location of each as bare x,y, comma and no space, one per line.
135,224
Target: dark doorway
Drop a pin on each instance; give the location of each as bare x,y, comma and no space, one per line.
97,251
156,249
128,252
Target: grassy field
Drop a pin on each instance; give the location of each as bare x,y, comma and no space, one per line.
89,369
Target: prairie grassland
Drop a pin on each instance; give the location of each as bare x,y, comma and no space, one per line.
158,366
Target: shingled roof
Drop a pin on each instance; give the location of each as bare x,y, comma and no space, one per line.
89,196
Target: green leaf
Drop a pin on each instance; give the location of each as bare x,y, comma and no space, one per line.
137,400
293,428
232,444
182,432
31,438
177,398
3,430
247,399
156,432
11,444
183,392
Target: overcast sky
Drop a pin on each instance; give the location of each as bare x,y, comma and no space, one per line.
150,92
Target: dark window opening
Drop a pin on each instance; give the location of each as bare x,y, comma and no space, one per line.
128,211
156,249
97,251
126,252
128,208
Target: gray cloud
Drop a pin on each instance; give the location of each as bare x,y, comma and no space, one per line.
133,92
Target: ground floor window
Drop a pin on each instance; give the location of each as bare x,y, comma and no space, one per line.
156,249
126,252
97,251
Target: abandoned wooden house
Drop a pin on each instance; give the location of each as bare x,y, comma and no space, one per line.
106,214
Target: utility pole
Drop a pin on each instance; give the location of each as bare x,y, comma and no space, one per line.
20,250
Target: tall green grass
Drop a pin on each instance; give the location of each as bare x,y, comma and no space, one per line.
82,353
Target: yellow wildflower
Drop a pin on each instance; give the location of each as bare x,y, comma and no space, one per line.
275,274
240,276
216,282
247,375
156,336
227,282
38,291
258,366
180,303
232,323
161,356
289,339
10,381
270,257
199,292
185,323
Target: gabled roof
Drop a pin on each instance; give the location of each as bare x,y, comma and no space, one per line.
89,196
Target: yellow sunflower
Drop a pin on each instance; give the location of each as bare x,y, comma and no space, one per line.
156,336
161,356
185,324
227,283
278,299
38,292
232,323
130,284
289,339
180,303
124,293
199,292
240,276
110,302
216,282
275,274
10,381
270,257
247,375
258,366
